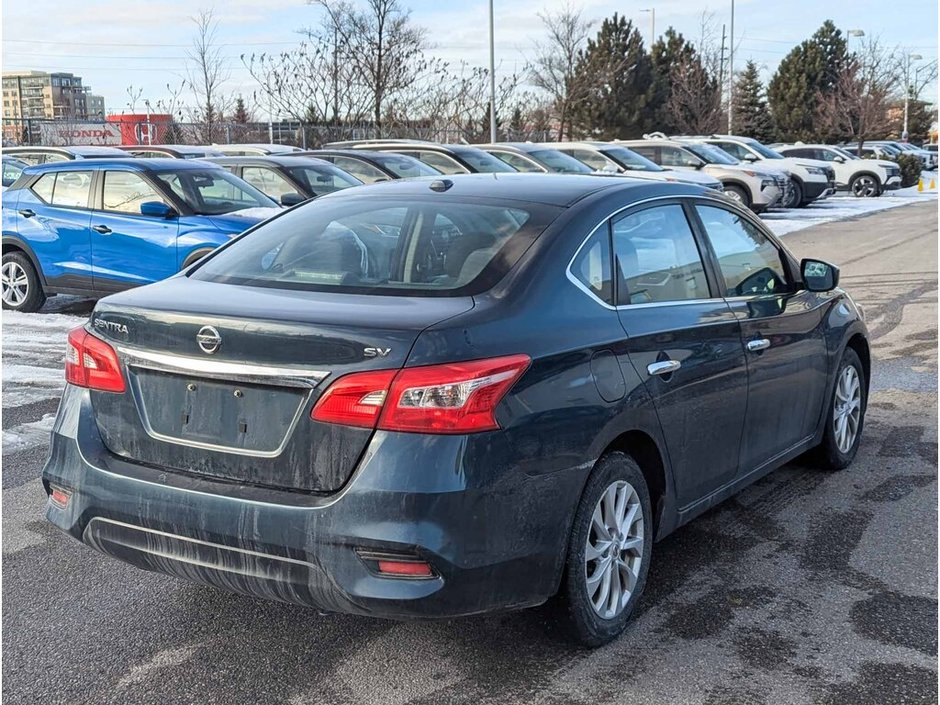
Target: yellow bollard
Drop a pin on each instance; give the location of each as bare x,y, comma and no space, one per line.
933,184
920,185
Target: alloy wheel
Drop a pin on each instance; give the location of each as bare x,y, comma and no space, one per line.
734,195
847,409
865,187
614,549
14,283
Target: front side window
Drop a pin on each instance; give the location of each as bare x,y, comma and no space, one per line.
516,162
363,171
124,191
673,156
268,181
214,191
412,246
72,189
631,160
591,267
322,179
484,162
750,264
559,162
595,160
734,149
657,257
441,162
404,167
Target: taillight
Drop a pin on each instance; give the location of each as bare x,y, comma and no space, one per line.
91,362
459,397
354,400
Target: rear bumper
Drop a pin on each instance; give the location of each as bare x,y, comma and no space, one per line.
493,542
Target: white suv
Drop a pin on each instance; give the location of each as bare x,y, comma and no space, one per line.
757,188
865,178
812,179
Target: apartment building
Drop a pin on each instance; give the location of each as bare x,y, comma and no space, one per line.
50,96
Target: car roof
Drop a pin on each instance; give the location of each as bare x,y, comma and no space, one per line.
170,147
75,150
292,159
407,144
131,163
271,147
523,147
550,189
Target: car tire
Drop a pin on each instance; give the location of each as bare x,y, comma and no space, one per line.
796,195
865,186
836,452
194,257
591,612
738,194
21,287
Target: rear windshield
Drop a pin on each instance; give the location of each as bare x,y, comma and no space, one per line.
416,246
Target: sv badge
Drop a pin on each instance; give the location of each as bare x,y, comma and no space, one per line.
376,352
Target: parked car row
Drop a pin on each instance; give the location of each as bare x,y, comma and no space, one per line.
93,220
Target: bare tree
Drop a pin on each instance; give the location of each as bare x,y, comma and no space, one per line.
133,95
383,48
553,67
207,73
866,88
694,103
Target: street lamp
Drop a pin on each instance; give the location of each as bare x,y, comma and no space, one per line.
907,89
652,11
852,33
492,79
149,131
731,75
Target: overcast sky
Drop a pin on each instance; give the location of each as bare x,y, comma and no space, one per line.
116,43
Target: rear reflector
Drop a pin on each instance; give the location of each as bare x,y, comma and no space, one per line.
91,362
458,397
59,496
411,569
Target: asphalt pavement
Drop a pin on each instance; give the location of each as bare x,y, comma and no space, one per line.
807,587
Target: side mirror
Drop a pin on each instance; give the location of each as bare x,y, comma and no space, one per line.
157,209
839,158
819,275
291,199
750,158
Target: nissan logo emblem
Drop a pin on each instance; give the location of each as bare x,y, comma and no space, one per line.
208,339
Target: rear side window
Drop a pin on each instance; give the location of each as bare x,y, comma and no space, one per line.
441,162
657,257
591,267
43,187
750,263
72,189
363,171
268,181
415,247
516,162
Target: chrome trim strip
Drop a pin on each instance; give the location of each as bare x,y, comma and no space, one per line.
177,537
245,372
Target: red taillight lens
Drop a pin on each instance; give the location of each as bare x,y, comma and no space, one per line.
459,397
354,400
408,569
91,362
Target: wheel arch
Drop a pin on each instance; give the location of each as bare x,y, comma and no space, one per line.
15,244
741,185
866,172
640,446
196,254
859,344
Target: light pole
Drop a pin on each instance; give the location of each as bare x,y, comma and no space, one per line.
652,11
849,33
492,79
907,89
731,75
149,134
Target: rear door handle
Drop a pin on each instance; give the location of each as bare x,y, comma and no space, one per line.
103,229
663,367
27,213
758,345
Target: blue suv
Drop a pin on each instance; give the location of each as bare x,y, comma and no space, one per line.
93,227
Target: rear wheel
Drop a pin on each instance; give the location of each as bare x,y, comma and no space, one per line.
608,551
795,199
845,417
736,193
865,186
20,287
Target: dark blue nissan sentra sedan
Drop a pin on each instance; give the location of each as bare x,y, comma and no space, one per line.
431,398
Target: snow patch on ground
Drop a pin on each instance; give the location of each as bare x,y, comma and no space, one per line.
841,207
28,435
34,356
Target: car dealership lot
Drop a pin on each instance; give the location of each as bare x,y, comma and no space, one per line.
805,587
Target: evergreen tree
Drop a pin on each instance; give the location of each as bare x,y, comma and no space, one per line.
615,76
241,112
670,50
807,76
751,117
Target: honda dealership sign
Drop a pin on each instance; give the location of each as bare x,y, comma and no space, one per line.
67,132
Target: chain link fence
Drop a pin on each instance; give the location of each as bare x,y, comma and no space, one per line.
34,131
